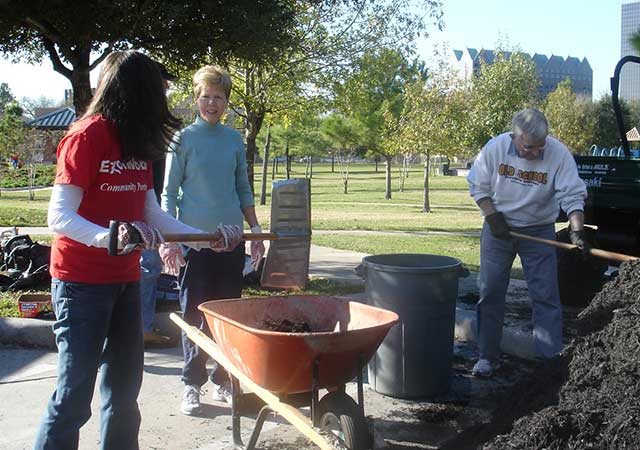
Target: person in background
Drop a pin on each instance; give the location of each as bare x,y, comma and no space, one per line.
206,185
519,181
150,262
103,174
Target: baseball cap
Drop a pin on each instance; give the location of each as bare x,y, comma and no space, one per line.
165,73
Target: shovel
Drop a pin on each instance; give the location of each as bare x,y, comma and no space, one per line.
621,257
287,261
185,237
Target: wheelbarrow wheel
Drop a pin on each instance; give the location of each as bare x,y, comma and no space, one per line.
341,416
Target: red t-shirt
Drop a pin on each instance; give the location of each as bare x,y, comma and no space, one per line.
89,156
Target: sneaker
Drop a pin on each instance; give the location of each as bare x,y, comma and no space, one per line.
222,393
190,399
153,339
484,368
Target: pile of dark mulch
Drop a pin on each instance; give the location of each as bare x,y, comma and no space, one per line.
599,401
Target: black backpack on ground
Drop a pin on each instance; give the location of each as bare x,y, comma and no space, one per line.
25,261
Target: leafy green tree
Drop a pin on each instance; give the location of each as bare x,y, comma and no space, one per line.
497,92
373,94
5,95
344,134
432,116
634,40
12,131
328,37
69,32
605,133
569,117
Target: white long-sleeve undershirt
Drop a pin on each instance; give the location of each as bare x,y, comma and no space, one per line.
63,218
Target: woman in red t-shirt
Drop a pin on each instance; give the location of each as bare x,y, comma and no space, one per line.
104,173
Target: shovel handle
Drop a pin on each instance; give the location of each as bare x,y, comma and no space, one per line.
621,257
203,237
112,246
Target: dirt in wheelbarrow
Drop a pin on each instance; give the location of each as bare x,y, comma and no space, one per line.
589,396
285,326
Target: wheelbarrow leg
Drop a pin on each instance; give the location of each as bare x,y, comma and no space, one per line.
235,420
360,383
315,417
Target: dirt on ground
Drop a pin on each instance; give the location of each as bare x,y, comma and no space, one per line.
589,396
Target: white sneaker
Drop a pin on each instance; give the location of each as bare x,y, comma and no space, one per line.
190,399
222,393
484,368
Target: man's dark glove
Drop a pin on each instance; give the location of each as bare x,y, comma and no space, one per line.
579,238
498,225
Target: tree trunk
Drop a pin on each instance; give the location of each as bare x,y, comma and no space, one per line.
311,168
376,161
387,193
345,182
81,85
425,204
265,168
253,123
274,167
333,162
287,160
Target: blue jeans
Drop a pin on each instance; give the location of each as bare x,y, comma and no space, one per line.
150,269
207,275
540,270
97,327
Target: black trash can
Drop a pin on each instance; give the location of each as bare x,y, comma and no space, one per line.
415,359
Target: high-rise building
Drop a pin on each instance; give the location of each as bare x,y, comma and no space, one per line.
630,74
550,71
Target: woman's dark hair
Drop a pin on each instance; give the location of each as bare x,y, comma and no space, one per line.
131,94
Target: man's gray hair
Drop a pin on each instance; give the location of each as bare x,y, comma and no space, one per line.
530,122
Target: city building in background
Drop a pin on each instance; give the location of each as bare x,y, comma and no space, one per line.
630,73
550,71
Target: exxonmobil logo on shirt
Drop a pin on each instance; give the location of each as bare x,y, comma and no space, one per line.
111,167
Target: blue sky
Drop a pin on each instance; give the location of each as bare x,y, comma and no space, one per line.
579,28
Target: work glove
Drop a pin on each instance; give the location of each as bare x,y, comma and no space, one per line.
579,239
172,258
498,225
230,237
140,234
257,249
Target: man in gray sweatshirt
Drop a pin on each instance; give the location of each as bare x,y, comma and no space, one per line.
519,181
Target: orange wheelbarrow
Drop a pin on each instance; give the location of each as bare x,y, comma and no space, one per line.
285,370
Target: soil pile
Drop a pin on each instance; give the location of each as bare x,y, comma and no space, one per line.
599,401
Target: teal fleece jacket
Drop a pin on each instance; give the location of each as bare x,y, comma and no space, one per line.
205,182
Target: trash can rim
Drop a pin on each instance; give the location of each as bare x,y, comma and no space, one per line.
454,263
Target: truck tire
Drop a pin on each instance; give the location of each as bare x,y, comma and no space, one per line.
579,279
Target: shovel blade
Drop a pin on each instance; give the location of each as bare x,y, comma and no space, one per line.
287,262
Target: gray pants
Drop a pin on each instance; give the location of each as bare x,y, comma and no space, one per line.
540,270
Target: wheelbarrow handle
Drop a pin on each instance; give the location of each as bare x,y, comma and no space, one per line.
621,257
289,412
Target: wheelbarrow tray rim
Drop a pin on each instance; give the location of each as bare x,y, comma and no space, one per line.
393,318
